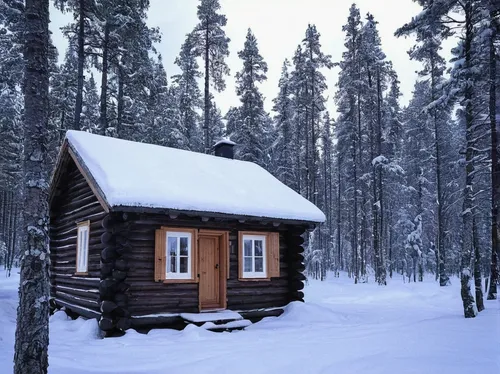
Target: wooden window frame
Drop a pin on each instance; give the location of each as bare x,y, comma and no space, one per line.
79,226
272,238
193,251
254,274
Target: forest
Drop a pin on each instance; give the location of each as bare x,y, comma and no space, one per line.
410,191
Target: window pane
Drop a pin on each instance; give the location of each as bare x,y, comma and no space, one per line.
172,264
184,265
248,265
248,247
184,246
258,248
172,246
259,265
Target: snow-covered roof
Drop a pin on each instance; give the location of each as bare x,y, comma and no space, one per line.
131,174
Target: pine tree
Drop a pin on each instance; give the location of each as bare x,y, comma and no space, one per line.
216,124
283,145
313,97
430,32
63,92
90,109
120,50
189,93
32,327
84,13
233,121
494,147
213,45
376,70
250,136
347,129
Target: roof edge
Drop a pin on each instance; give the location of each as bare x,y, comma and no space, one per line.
196,213
94,186
67,152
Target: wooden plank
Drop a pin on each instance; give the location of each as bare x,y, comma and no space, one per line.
209,258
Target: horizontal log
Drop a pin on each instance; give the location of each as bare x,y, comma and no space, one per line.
83,214
261,292
245,305
124,323
145,310
87,313
121,312
78,300
84,197
78,282
236,284
254,315
158,321
95,217
120,297
160,303
87,293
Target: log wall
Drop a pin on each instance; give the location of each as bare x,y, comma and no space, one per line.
74,202
145,296
120,281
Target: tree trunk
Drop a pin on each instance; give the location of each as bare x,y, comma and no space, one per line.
81,60
470,309
120,104
441,268
104,81
207,91
14,239
477,268
32,328
495,173
339,194
380,211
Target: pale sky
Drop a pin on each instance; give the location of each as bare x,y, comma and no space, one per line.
279,26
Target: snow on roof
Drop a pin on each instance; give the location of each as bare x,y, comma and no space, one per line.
132,174
224,141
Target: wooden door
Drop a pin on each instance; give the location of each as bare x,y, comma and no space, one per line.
210,271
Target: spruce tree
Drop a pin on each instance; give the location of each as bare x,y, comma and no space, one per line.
430,32
213,45
283,145
250,137
189,93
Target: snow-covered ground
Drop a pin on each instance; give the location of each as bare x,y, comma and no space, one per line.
343,328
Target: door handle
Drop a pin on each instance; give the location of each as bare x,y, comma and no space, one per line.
216,266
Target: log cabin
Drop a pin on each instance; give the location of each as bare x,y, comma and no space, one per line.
144,236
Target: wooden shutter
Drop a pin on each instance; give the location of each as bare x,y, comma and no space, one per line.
160,249
273,255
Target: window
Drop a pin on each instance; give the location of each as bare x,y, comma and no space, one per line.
259,255
254,256
175,255
82,247
178,255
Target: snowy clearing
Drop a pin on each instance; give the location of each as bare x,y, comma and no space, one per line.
342,328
